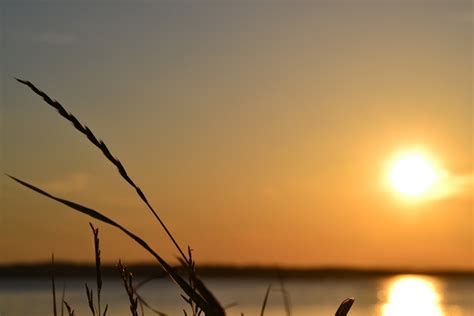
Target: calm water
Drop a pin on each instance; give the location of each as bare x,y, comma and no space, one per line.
404,295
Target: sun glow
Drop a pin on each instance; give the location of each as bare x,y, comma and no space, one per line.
412,174
412,295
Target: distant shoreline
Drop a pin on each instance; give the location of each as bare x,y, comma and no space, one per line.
219,271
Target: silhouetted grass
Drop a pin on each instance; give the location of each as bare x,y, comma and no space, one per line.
105,151
53,283
70,311
265,299
198,296
98,276
127,279
345,307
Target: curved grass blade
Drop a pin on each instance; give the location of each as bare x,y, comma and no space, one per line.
201,302
142,301
345,307
286,297
70,311
265,300
202,289
105,151
53,283
62,299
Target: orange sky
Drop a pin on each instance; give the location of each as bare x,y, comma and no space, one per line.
260,131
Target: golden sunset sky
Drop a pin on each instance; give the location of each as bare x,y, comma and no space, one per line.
262,131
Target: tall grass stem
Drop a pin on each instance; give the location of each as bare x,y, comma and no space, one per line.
105,151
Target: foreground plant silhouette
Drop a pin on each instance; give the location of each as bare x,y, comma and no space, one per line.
199,296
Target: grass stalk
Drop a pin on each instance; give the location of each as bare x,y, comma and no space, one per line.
286,297
53,283
95,232
265,299
127,279
70,311
105,151
62,299
90,299
210,307
199,297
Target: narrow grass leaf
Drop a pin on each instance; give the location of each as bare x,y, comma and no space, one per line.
105,151
202,289
62,299
264,305
70,311
55,313
200,301
345,307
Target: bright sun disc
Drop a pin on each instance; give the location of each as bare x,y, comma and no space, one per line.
412,174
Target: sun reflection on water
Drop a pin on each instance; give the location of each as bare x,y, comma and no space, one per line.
410,295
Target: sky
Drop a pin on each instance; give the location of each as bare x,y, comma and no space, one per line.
261,131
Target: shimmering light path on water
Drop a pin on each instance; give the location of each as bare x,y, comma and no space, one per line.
412,295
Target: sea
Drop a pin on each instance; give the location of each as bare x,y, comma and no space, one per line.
401,295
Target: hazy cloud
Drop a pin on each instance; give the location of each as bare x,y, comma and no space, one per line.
72,183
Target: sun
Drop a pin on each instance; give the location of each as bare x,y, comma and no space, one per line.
412,174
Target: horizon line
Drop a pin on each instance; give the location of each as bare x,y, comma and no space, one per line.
68,268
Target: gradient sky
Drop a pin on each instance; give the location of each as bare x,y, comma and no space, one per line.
260,130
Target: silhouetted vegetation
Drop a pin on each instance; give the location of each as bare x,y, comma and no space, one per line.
198,297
